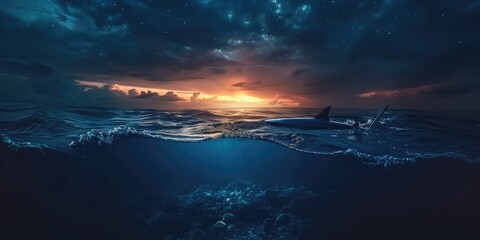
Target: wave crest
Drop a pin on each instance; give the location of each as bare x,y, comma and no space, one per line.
18,145
103,138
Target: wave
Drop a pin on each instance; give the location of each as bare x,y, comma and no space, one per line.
19,146
96,140
100,139
402,136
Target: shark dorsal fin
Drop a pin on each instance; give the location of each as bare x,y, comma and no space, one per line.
324,114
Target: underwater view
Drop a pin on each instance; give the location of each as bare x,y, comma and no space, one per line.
239,119
227,174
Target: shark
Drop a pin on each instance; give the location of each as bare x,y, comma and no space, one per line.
322,121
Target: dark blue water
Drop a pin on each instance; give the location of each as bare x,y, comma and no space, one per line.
103,173
401,136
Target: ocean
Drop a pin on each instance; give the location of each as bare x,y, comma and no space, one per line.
69,172
402,135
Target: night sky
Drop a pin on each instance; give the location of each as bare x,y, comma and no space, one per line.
248,53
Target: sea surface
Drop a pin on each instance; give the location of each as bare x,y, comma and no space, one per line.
402,135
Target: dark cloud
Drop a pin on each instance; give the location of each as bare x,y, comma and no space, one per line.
24,81
239,84
22,69
133,93
298,72
194,96
147,95
330,48
447,91
217,70
247,85
170,96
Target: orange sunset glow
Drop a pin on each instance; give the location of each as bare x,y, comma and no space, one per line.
204,94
